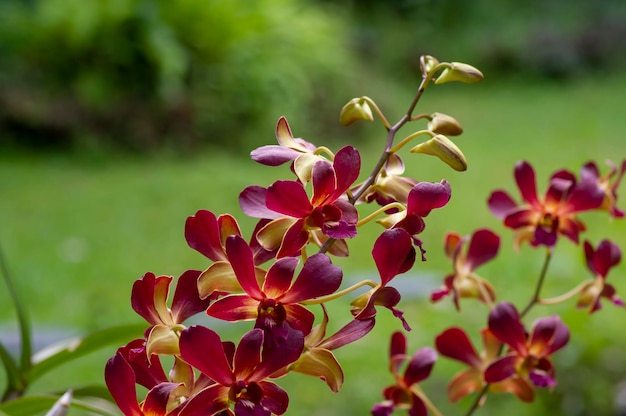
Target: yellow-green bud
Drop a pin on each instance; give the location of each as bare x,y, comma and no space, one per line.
444,149
428,63
356,109
444,124
458,71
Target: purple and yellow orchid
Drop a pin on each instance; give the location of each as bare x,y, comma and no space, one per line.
464,283
289,149
455,344
599,262
275,303
240,378
389,185
149,300
541,221
529,354
296,219
609,204
393,254
405,393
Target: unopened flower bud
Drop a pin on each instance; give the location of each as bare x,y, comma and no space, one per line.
444,124
356,109
458,71
444,149
428,63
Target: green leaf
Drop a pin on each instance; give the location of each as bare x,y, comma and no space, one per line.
32,405
70,350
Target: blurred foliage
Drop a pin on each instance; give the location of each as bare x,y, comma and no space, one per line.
144,74
154,74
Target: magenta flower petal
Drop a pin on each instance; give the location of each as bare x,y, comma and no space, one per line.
234,308
279,277
299,317
273,155
324,182
347,165
420,366
454,343
586,195
521,218
148,373
397,346
393,253
274,359
318,277
149,296
600,261
274,399
501,204
501,369
248,354
120,380
426,196
252,201
203,234
525,178
418,408
504,323
288,198
483,247
187,302
202,348
353,331
548,335
242,262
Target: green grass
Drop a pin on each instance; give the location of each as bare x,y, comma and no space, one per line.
78,232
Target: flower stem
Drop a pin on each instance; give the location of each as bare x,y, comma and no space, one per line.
339,294
380,211
561,298
542,278
477,401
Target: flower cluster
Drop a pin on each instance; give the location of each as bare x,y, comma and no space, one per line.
279,277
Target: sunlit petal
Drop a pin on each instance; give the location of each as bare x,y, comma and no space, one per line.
202,348
234,308
219,277
120,380
187,301
242,262
320,362
288,198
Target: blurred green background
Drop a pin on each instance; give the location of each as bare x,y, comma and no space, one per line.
119,118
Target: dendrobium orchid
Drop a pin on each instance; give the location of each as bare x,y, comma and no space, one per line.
149,300
405,393
423,198
303,154
393,254
464,283
295,217
529,354
240,380
599,262
389,186
541,221
455,344
275,305
609,204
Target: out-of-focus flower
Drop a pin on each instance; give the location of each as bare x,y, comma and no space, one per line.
600,261
302,153
318,360
604,182
240,379
295,217
276,304
454,343
464,283
393,254
405,393
541,221
423,198
529,354
149,300
356,109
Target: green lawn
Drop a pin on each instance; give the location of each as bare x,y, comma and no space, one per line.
78,232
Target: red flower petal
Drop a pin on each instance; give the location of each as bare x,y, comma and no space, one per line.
525,178
234,308
454,343
483,247
501,204
294,240
274,359
393,253
318,277
501,369
347,165
273,155
120,380
279,277
426,196
209,401
248,354
288,198
149,297
300,318
274,399
324,183
157,399
242,261
547,336
420,366
202,348
252,201
353,331
504,323
203,235
187,302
